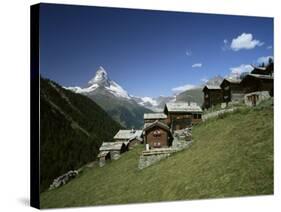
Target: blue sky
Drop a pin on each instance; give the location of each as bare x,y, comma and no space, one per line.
149,53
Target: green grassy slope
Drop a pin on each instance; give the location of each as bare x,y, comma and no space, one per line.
231,156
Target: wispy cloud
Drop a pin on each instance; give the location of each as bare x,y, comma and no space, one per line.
225,45
182,88
197,65
188,52
244,41
269,47
240,69
204,80
235,72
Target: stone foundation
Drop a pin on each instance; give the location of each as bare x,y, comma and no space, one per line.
146,161
151,157
259,96
115,155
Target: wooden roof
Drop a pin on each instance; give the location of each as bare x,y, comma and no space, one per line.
182,107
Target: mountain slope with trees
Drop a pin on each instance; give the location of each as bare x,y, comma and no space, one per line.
72,128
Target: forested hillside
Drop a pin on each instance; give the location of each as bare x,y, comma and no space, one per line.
72,127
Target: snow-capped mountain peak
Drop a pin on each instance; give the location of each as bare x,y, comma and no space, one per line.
102,84
101,80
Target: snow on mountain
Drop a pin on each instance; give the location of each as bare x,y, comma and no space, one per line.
101,80
148,100
155,104
117,90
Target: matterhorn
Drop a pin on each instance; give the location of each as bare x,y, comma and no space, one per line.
115,100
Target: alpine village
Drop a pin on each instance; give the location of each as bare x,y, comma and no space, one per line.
100,145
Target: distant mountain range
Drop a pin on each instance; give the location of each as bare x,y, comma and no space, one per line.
128,109
72,128
155,104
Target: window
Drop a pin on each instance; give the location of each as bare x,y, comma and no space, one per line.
195,116
157,133
156,144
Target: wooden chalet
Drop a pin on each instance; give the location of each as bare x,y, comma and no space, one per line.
152,117
232,90
181,115
212,96
157,135
257,82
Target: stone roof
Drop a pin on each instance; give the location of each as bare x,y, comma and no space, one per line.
103,154
136,137
212,87
260,76
128,134
257,67
237,81
154,116
182,107
107,146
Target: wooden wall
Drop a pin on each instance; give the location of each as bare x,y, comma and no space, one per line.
252,84
212,97
178,121
157,141
232,91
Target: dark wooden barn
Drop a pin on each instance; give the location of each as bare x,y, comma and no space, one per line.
212,96
181,115
232,90
157,135
256,82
